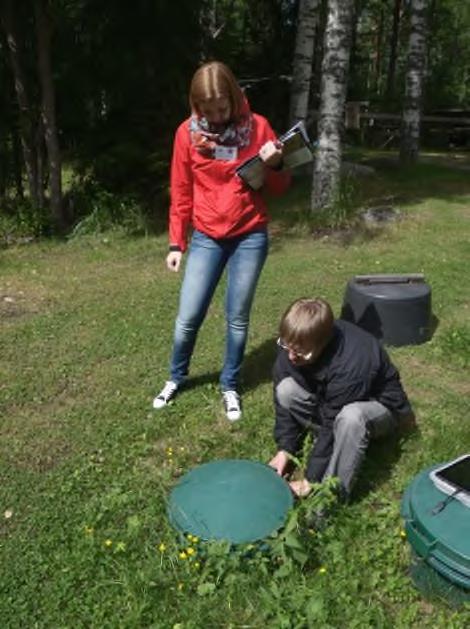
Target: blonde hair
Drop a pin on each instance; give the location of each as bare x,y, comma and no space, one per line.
215,80
307,325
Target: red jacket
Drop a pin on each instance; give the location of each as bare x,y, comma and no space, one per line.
207,193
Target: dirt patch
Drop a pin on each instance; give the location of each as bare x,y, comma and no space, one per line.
17,302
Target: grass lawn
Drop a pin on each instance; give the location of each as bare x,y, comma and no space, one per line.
86,465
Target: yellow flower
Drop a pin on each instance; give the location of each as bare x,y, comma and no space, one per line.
403,534
196,565
88,530
322,570
195,539
162,547
190,537
108,543
190,551
180,586
183,555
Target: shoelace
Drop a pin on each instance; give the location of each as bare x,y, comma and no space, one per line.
168,390
232,400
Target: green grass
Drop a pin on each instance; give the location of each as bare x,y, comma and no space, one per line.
85,338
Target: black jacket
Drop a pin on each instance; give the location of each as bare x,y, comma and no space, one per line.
353,367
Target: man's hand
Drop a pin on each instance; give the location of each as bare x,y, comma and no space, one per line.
173,260
271,154
301,488
280,462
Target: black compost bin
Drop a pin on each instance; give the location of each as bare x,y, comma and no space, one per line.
394,308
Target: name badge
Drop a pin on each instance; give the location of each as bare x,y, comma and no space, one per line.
226,153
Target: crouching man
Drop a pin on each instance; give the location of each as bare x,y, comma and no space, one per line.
334,379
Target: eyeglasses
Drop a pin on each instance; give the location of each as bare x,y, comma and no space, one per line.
297,354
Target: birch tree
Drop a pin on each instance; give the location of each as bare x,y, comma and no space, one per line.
335,69
411,115
303,58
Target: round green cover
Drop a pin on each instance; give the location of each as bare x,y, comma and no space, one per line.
234,500
441,539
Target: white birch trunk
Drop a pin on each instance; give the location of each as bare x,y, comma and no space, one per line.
411,116
335,69
303,58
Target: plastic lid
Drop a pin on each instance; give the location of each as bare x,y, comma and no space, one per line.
235,500
443,538
392,290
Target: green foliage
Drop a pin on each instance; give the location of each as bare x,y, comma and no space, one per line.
23,222
103,211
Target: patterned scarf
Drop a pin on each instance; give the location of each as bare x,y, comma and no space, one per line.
206,136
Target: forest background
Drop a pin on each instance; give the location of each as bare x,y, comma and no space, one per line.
92,91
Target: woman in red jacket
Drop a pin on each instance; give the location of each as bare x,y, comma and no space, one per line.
229,220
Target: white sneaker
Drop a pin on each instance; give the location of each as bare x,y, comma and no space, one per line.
232,405
166,394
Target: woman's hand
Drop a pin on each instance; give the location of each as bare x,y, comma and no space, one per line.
271,154
173,260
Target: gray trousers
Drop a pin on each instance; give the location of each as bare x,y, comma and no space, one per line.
354,426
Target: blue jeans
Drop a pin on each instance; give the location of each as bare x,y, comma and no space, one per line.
244,257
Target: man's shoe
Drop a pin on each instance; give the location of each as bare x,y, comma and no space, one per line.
232,405
166,394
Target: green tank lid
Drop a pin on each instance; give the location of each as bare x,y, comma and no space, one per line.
442,539
235,500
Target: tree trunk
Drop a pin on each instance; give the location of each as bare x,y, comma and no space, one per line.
335,68
26,117
303,58
43,33
411,116
17,166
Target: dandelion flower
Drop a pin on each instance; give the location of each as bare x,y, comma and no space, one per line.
108,543
162,547
190,537
190,551
322,570
403,534
88,530
180,586
183,555
197,565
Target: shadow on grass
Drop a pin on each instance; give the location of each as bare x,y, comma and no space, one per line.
390,185
256,369
382,457
258,364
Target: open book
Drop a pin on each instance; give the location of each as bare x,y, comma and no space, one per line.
297,150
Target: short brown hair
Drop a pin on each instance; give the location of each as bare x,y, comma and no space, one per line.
307,325
215,80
